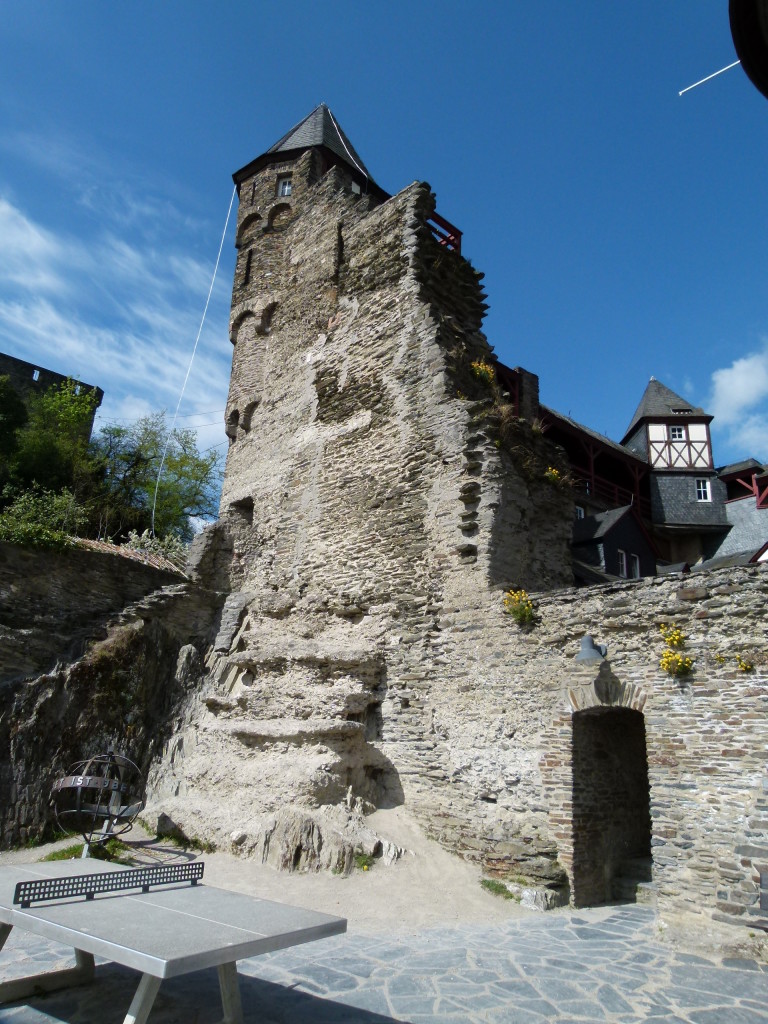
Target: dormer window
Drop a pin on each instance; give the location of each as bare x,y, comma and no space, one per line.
284,186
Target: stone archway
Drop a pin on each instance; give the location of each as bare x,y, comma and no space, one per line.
595,777
611,822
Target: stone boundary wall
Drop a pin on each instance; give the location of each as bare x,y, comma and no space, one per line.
52,602
706,734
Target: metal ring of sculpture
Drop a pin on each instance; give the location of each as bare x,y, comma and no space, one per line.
99,798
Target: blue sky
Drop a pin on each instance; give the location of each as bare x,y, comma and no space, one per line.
623,230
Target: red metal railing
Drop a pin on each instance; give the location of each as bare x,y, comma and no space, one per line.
446,233
609,492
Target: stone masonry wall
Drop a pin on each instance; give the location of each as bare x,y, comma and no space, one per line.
115,669
380,501
53,602
374,491
705,733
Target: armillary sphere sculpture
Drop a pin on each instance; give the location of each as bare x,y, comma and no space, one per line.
99,798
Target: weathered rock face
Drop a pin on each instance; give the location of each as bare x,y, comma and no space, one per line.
115,672
367,491
53,602
376,505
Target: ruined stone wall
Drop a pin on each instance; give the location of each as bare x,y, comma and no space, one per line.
380,501
53,602
374,491
115,669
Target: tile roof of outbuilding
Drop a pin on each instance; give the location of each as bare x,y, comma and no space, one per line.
320,128
546,412
660,401
742,466
593,527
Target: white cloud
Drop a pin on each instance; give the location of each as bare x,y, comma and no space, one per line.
739,403
32,258
752,436
739,387
118,312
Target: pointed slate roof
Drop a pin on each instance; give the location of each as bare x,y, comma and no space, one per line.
660,402
320,128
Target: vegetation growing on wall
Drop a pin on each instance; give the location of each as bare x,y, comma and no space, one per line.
55,481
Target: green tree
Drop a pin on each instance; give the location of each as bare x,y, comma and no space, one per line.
52,448
13,416
39,518
107,484
130,459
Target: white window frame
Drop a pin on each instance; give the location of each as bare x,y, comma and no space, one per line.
284,186
703,489
622,563
579,511
677,432
634,566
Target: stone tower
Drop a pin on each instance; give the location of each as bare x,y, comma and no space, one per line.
377,499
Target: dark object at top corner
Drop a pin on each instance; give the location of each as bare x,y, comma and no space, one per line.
749,28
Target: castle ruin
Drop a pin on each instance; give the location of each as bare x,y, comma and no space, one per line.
379,499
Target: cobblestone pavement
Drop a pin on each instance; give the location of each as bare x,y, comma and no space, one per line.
604,965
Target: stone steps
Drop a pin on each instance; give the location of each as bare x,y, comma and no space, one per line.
634,881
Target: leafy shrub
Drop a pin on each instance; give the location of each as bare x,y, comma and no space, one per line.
170,547
40,518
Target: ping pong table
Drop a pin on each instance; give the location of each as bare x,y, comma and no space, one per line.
167,929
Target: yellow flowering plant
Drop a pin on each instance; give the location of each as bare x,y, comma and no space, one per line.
675,663
484,372
518,604
673,636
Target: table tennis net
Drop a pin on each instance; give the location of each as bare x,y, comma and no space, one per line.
38,889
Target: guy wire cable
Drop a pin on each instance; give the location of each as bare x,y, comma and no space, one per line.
346,147
192,359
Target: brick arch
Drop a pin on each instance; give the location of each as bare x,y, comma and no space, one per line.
247,228
237,324
605,690
278,216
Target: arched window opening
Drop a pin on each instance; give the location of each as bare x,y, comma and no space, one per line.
230,428
248,411
266,318
278,216
247,229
